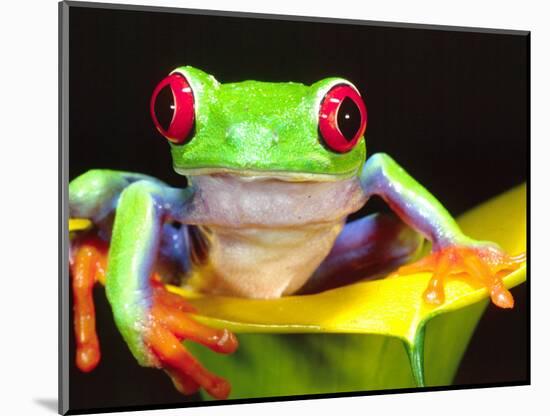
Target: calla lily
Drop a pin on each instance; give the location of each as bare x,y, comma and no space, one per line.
365,336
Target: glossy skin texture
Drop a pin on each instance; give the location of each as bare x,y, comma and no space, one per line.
265,212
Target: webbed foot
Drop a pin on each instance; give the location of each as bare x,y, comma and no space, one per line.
169,324
481,264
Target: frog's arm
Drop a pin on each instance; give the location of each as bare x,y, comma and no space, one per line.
152,321
382,176
94,194
452,251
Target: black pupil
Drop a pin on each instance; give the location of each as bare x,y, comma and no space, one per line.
349,118
164,107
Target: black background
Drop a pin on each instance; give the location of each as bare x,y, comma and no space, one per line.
450,106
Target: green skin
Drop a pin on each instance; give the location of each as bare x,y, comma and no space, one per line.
248,129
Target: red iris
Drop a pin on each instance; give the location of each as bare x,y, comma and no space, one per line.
173,108
342,118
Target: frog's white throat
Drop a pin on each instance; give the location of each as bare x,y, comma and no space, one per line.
266,237
267,202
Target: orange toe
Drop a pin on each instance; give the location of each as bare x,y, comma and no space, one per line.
87,268
169,325
483,266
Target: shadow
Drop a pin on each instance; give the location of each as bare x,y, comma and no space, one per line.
50,404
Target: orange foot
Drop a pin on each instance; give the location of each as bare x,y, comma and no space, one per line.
88,262
169,324
482,265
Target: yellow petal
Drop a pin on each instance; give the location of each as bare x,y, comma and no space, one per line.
79,224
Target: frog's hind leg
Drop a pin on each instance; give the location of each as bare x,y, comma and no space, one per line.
369,247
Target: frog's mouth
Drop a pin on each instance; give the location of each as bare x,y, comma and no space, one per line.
235,200
253,175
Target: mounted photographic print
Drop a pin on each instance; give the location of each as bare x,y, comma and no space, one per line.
266,208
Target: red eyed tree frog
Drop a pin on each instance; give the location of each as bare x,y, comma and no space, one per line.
273,171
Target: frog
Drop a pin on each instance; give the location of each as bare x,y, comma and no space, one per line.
273,171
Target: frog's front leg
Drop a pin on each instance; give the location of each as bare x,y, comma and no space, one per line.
453,253
88,264
152,321
94,196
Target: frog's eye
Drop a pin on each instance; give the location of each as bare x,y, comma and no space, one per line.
342,118
173,108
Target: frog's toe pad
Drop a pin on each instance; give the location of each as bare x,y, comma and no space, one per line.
169,324
480,266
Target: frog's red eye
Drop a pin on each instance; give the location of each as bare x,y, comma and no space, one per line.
342,118
173,108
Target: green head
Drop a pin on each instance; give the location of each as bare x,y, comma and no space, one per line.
261,128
